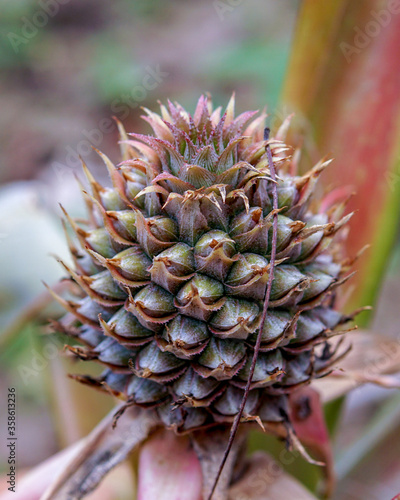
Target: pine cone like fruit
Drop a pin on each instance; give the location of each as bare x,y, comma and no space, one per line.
174,261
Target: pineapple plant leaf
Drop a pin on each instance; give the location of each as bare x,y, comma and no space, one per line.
208,276
325,88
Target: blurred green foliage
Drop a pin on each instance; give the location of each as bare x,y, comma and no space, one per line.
114,41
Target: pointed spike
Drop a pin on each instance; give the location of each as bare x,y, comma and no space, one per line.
283,129
72,248
159,127
88,203
108,163
127,151
95,186
102,260
116,177
70,307
255,129
216,116
164,112
199,111
230,110
294,164
80,233
83,281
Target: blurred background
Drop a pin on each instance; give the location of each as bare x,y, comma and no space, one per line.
67,67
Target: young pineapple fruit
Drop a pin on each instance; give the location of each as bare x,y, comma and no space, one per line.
173,265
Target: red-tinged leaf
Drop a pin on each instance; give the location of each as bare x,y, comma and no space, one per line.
169,469
309,423
343,88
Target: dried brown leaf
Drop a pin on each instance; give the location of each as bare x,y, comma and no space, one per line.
373,359
103,449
